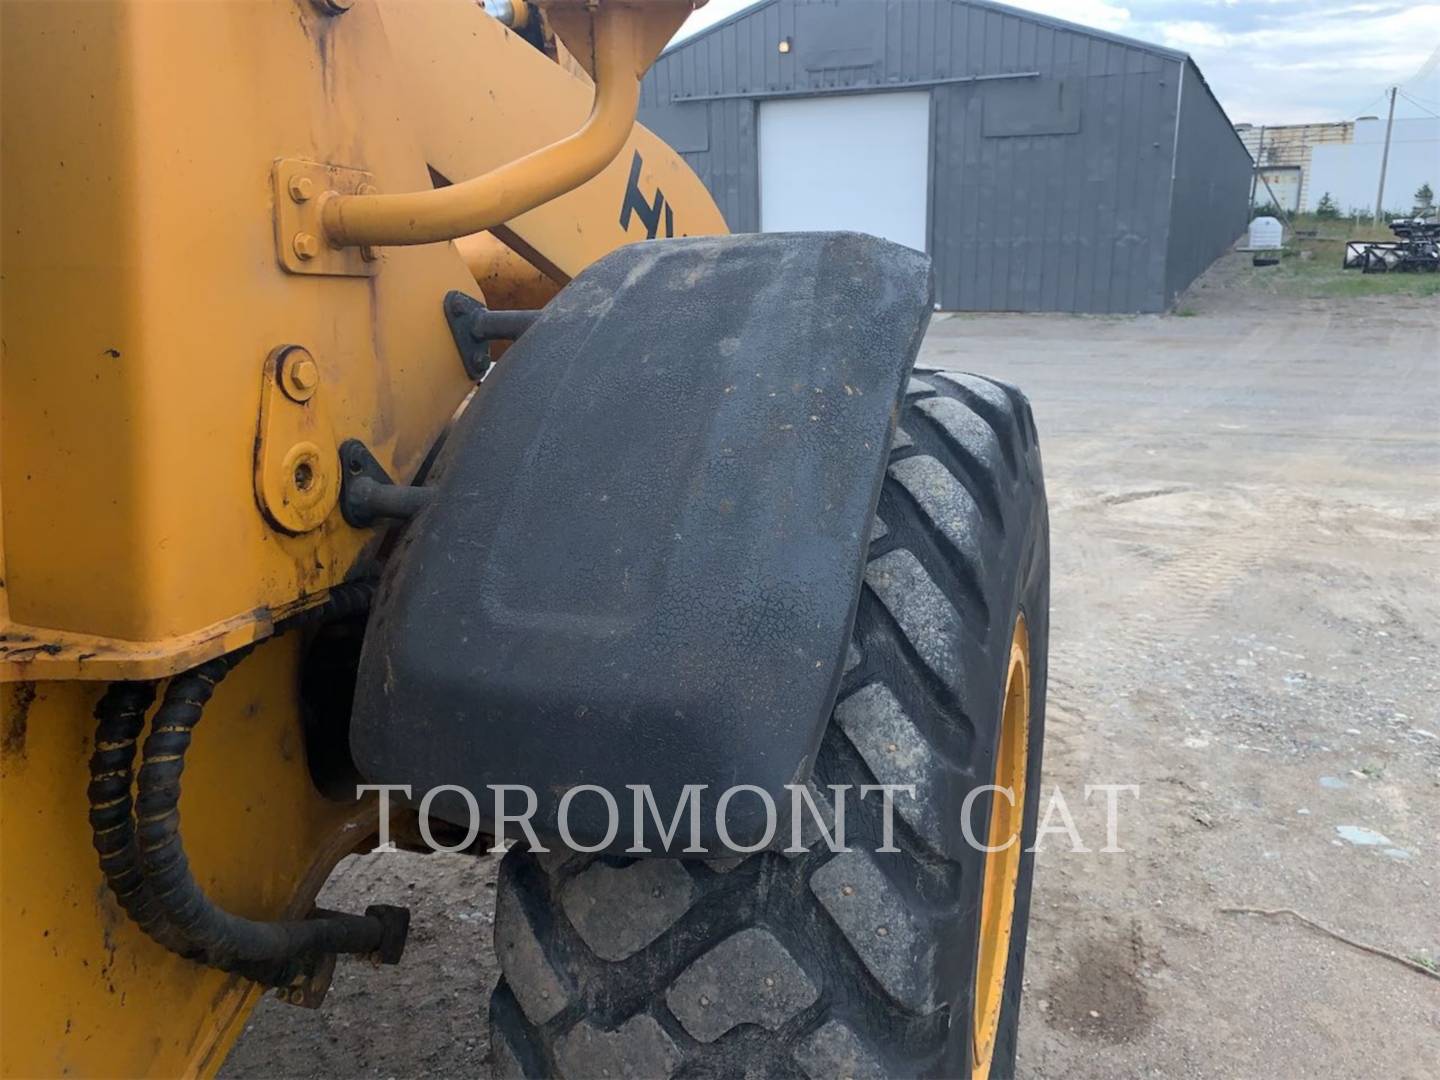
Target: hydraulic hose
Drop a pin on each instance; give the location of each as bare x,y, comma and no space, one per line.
120,717
144,859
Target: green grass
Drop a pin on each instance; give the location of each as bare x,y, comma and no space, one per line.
1341,228
1320,276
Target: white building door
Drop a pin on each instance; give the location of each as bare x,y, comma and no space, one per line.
852,161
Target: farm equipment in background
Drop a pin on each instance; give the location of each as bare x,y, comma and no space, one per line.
1415,249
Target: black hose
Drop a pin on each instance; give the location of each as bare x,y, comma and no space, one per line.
144,859
120,717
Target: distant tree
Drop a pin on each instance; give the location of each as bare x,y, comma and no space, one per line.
1424,196
1326,208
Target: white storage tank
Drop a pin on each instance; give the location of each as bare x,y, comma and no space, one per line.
1266,234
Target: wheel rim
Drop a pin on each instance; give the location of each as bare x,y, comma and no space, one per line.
1002,867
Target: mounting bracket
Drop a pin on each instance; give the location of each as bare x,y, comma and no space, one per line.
295,475
367,494
474,326
301,189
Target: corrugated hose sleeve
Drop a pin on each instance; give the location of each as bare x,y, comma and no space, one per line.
144,858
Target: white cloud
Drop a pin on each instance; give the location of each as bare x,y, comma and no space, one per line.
1096,13
1319,62
1192,35
708,15
1268,61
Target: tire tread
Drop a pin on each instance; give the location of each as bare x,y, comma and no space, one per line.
886,1022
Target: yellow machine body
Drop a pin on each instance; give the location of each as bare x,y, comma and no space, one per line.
165,496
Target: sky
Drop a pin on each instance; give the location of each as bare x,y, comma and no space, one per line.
1268,61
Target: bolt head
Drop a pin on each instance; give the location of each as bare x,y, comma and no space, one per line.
305,245
305,374
298,374
302,188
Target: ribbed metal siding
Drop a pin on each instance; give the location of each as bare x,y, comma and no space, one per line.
1210,206
1053,222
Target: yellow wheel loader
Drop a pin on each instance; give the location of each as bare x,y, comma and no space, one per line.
396,451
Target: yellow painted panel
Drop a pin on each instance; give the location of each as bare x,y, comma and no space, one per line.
142,294
142,291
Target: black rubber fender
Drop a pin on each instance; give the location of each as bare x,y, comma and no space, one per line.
644,555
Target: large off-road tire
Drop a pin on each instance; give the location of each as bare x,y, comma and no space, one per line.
859,964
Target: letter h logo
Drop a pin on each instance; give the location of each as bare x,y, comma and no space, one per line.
648,212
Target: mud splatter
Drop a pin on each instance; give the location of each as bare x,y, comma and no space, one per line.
17,720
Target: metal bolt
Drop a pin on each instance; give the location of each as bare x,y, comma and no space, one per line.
304,374
305,245
302,188
299,374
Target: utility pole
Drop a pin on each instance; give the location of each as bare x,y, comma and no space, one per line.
1259,160
1385,159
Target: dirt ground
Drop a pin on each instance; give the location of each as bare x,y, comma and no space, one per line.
1246,624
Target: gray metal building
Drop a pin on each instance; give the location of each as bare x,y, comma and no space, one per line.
1043,165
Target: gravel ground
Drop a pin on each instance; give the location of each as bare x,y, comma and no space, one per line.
1246,517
